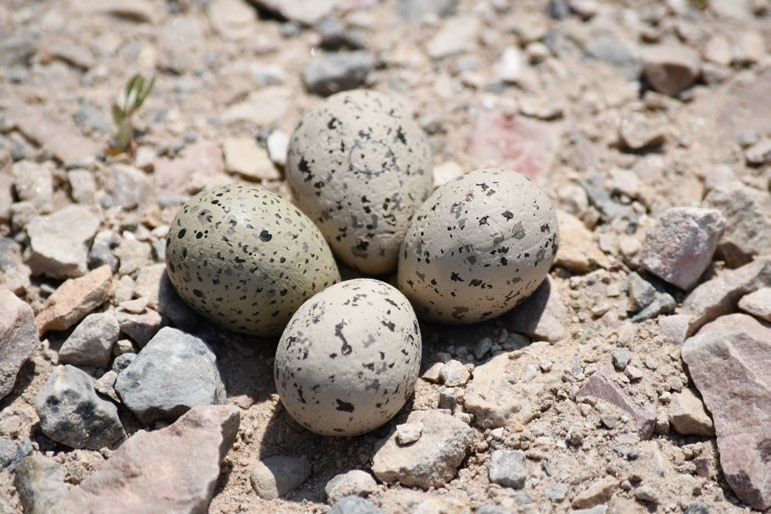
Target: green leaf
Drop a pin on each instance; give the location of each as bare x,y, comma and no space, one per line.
143,94
118,114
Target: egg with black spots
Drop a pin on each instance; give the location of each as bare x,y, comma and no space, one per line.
348,360
480,245
359,166
246,258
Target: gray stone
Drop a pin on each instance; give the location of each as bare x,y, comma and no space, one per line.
670,69
758,303
59,241
696,508
721,295
90,344
637,131
747,212
40,483
101,250
92,118
641,293
616,53
173,373
122,362
14,274
7,452
598,492
759,154
688,416
507,468
331,73
680,247
557,492
662,303
355,505
23,451
728,361
454,374
275,476
174,469
416,10
33,183
82,186
621,359
16,49
432,460
354,483
483,347
408,433
492,509
128,186
18,338
73,414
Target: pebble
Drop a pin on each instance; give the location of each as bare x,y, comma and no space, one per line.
747,214
457,35
275,476
82,186
633,373
14,274
173,373
417,10
432,460
483,347
33,182
132,255
353,483
446,172
71,413
7,452
16,48
637,131
507,468
758,154
433,373
19,337
718,50
137,474
232,19
355,505
640,292
327,74
92,117
90,344
491,397
750,48
578,251
758,304
680,247
128,186
597,493
123,360
58,241
511,65
670,69
454,374
244,157
687,415
696,508
616,53
541,315
302,11
674,328
101,252
141,328
408,433
39,481
621,359
262,108
277,143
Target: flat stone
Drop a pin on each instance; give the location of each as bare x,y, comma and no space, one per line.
59,242
540,316
721,295
355,505
459,34
432,460
71,413
275,476
758,304
331,73
637,131
232,19
353,483
158,468
90,344
747,213
75,299
578,251
172,374
507,468
39,481
417,10
245,158
600,386
18,338
688,416
454,374
670,69
674,328
491,397
680,247
128,186
34,183
728,361
598,492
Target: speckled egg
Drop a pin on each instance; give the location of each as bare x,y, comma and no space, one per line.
246,258
478,246
359,166
348,360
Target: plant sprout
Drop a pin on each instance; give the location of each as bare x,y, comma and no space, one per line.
136,91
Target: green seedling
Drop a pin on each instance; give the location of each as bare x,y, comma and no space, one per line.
136,91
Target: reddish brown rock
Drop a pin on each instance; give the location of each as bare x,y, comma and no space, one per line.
75,299
729,361
671,68
18,338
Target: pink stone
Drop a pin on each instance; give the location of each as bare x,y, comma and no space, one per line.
75,299
18,338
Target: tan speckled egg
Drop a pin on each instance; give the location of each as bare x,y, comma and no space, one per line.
359,167
246,258
349,357
478,246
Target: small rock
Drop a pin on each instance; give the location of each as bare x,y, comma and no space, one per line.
728,362
674,328
670,69
232,19
483,347
511,65
331,73
621,359
747,214
355,505
128,186
408,433
633,373
39,481
59,242
641,293
688,416
262,108
14,274
491,397
637,131
585,9
446,172
18,338
718,50
123,360
429,462
82,186
750,48
758,154
173,373
696,508
16,48
133,255
680,247
90,344
354,483
75,299
306,12
101,250
275,476
598,492
454,374
459,34
557,492
244,157
159,469
7,452
141,328
106,385
758,304
507,468
616,53
578,251
73,414
33,183
278,143
417,10
433,373
540,316
90,116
